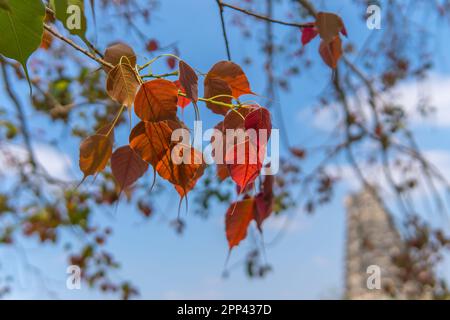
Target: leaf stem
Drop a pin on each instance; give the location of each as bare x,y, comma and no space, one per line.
115,120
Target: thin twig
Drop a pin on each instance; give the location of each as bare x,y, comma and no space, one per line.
262,17
224,29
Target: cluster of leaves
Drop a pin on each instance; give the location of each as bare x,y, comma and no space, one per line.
328,26
150,141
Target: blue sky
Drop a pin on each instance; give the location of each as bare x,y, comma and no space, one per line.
307,261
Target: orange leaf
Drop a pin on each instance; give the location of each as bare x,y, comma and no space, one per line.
188,80
183,176
151,140
329,25
116,51
156,101
225,78
127,166
233,75
238,217
95,152
215,87
331,52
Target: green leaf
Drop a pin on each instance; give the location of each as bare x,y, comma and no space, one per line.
21,30
71,14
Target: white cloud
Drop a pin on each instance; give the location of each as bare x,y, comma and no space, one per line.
56,163
375,174
433,91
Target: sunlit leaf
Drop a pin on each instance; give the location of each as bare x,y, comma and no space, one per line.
151,140
122,84
331,52
215,87
156,101
183,176
244,162
225,78
127,167
238,217
95,152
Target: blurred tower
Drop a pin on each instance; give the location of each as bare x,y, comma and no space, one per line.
372,239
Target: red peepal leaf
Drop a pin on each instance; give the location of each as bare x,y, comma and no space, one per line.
331,52
152,45
171,62
183,102
156,101
238,217
151,140
185,175
188,80
127,167
259,119
309,33
244,161
264,201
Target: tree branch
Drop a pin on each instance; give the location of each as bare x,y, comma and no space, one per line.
77,47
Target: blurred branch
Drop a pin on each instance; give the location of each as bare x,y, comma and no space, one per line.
266,18
20,113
